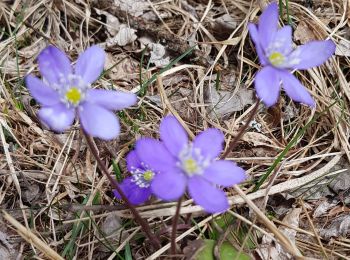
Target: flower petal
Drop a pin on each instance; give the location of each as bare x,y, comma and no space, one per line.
135,194
267,85
54,64
311,54
110,99
57,117
295,90
210,142
253,31
268,24
41,92
206,195
282,41
133,161
154,154
169,185
90,64
98,121
173,135
224,173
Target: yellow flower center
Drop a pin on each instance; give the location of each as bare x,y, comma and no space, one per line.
190,166
148,175
276,58
73,95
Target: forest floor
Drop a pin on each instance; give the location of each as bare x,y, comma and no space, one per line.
195,60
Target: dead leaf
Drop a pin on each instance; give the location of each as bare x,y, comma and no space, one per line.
269,250
122,67
133,7
7,250
31,192
111,228
343,48
124,36
223,103
33,50
303,33
323,208
157,55
339,227
111,224
292,219
338,210
226,21
257,139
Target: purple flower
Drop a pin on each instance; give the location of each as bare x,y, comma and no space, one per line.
275,50
180,164
136,187
65,92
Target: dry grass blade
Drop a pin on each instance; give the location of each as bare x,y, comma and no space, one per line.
31,238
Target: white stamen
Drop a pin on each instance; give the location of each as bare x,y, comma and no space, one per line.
191,160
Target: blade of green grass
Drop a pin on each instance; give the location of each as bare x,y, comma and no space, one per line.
141,64
145,85
117,172
70,248
127,255
289,146
287,10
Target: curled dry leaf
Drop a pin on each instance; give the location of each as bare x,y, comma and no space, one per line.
158,52
125,36
157,55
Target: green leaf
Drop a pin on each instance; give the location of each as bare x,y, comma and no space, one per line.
227,252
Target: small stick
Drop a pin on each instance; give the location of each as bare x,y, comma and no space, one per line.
144,225
241,131
174,227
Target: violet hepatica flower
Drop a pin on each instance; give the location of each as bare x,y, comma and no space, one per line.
65,93
275,50
180,164
137,187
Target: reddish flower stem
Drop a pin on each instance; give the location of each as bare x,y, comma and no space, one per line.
174,227
241,131
144,225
